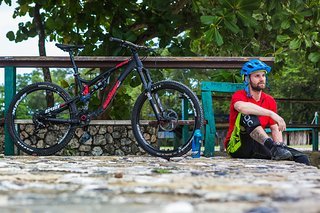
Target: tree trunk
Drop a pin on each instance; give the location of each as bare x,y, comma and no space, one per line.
42,49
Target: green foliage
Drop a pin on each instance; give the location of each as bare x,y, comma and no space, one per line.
297,81
92,22
283,27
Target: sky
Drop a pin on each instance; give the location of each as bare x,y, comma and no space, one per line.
25,48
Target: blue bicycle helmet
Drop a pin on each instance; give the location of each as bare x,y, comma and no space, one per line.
250,67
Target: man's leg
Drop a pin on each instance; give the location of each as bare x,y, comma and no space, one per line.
237,146
258,150
252,126
254,129
298,156
249,125
242,145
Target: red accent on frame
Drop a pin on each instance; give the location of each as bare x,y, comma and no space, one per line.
111,94
85,90
122,63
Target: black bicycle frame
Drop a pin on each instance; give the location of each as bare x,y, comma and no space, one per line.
100,82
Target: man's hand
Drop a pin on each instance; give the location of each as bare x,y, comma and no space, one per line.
279,120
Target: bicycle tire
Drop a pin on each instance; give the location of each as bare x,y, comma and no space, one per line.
155,137
49,138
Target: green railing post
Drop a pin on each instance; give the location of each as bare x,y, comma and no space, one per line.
185,115
315,133
207,88
9,92
210,128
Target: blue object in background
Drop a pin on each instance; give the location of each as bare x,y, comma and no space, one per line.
196,144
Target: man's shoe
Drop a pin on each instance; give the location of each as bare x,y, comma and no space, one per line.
278,152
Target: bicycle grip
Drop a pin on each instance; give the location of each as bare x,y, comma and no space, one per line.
115,39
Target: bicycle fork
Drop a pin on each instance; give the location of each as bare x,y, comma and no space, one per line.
154,100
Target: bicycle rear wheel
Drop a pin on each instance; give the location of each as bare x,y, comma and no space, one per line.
28,114
171,136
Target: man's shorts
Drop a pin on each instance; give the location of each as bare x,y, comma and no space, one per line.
241,145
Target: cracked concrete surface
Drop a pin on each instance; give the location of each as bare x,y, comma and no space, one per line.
148,184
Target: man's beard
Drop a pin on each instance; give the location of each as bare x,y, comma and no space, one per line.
257,87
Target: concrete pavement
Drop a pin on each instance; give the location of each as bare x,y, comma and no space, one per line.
148,184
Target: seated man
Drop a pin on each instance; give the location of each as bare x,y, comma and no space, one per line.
251,111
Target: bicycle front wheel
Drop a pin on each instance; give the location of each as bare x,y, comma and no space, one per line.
180,115
30,119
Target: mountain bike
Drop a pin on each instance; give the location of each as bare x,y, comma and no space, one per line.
42,118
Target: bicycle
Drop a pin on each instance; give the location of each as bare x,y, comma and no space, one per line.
160,125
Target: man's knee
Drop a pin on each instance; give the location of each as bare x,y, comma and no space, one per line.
249,122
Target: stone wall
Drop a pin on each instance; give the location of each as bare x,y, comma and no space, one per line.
107,138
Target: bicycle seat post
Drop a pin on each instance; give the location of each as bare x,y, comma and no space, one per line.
75,69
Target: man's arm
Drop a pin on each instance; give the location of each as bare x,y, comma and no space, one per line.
248,108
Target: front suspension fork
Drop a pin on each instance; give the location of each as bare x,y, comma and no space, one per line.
154,100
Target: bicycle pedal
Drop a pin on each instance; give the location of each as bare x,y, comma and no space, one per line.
84,138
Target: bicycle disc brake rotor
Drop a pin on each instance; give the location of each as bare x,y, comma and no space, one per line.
170,120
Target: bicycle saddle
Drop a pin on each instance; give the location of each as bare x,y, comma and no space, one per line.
69,47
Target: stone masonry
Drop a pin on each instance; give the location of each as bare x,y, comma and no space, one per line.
106,139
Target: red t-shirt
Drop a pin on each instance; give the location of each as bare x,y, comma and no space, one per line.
266,101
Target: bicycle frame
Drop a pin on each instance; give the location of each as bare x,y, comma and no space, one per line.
100,82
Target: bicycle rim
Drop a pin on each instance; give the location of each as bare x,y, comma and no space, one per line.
172,135
31,132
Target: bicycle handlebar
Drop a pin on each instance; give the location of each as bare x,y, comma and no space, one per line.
130,44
